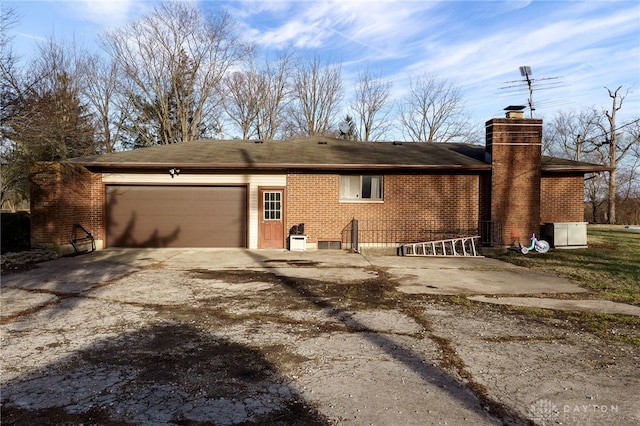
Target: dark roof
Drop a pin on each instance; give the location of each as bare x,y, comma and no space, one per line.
316,153
559,165
549,164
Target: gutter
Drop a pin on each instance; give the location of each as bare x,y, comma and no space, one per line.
581,169
100,166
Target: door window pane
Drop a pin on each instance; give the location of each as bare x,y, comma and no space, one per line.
272,205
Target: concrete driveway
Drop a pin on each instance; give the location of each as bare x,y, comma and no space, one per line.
212,336
479,278
414,275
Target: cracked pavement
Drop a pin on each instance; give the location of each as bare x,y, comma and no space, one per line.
231,337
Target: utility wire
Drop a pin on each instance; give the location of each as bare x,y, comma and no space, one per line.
604,135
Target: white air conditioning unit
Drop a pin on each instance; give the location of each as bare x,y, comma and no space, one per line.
566,234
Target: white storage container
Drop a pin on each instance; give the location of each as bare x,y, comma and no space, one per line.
297,242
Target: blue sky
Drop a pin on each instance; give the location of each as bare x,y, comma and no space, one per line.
580,46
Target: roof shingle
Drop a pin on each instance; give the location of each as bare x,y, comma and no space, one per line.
314,153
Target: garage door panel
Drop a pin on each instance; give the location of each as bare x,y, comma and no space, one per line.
176,216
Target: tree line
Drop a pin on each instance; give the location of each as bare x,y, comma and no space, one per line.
596,136
179,74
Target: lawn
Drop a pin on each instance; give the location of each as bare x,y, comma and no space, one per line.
610,266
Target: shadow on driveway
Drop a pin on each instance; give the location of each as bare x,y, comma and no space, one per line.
176,373
164,374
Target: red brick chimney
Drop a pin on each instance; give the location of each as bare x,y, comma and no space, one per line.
514,148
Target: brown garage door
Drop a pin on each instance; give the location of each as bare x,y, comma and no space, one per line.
176,216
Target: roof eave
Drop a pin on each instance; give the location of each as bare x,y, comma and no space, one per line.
573,169
278,167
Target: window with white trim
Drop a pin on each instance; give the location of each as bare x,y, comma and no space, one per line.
272,205
361,188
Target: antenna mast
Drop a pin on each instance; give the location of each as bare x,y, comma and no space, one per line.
538,84
525,71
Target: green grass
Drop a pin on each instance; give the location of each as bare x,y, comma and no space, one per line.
610,266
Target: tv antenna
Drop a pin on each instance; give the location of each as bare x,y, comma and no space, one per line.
525,71
538,84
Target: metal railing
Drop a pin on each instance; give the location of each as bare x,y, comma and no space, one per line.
393,233
490,233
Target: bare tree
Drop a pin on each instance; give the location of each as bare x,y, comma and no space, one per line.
241,99
317,92
101,91
370,105
8,63
614,148
433,111
572,135
275,96
568,134
628,175
595,193
174,60
11,193
256,98
592,135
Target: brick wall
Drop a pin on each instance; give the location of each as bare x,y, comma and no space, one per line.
515,149
562,198
515,194
61,196
314,199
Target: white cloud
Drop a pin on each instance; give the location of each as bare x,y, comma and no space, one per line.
478,45
106,9
106,13
380,25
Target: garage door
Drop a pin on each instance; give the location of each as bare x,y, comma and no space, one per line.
176,216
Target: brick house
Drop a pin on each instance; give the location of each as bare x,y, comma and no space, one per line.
250,194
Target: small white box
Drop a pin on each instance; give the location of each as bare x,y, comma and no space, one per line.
297,242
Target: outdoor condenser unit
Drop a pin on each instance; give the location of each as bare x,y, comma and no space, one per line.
566,234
